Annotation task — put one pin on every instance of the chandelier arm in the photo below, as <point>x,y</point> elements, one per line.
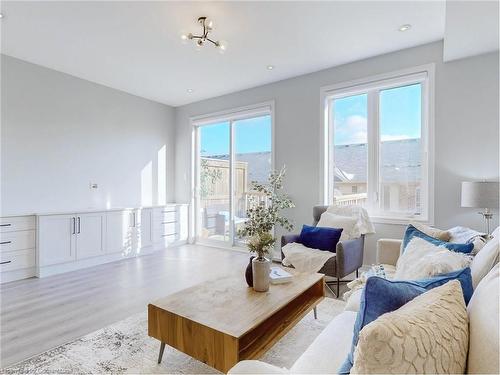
<point>214,42</point>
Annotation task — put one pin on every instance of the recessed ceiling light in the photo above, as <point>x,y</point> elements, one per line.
<point>270,67</point>
<point>405,27</point>
<point>190,91</point>
<point>1,15</point>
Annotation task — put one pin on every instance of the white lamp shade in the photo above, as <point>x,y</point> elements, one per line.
<point>482,194</point>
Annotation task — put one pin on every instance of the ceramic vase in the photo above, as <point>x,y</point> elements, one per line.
<point>260,273</point>
<point>249,272</point>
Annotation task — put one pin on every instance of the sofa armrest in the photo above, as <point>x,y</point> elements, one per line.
<point>256,367</point>
<point>349,256</point>
<point>388,251</point>
<point>288,238</point>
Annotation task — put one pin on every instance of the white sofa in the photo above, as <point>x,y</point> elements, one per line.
<point>329,350</point>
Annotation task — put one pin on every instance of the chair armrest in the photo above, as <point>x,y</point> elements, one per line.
<point>288,238</point>
<point>388,251</point>
<point>256,367</point>
<point>349,255</point>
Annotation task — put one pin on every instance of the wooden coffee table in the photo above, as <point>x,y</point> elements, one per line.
<point>224,321</point>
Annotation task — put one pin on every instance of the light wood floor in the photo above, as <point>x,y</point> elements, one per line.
<point>39,314</point>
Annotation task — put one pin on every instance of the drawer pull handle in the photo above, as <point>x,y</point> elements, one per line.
<point>5,242</point>
<point>5,262</point>
<point>5,225</point>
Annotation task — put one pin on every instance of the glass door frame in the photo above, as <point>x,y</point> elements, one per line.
<point>230,116</point>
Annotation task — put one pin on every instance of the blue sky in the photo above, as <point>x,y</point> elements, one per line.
<point>400,113</point>
<point>400,116</point>
<point>252,135</point>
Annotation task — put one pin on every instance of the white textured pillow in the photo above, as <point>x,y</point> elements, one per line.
<point>484,261</point>
<point>484,326</point>
<point>428,335</point>
<point>347,223</point>
<point>423,259</point>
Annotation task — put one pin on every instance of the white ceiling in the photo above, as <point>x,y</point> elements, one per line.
<point>136,46</point>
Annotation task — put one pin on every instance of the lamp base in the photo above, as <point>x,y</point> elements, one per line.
<point>488,215</point>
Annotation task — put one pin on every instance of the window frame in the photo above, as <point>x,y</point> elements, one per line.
<point>230,116</point>
<point>371,86</point>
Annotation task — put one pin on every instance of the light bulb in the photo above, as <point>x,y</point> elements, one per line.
<point>222,46</point>
<point>209,24</point>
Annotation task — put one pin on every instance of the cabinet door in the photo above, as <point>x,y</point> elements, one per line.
<point>145,227</point>
<point>89,235</point>
<point>56,239</point>
<point>119,231</point>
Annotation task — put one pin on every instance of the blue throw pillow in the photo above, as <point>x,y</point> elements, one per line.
<point>320,238</point>
<point>381,296</point>
<point>411,232</point>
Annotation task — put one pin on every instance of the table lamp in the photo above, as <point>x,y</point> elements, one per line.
<point>481,194</point>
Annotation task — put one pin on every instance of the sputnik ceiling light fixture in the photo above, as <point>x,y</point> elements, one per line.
<point>202,39</point>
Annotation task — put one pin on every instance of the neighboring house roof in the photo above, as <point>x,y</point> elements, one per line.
<point>401,161</point>
<point>259,164</point>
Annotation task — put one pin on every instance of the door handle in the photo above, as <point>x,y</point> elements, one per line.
<point>78,225</point>
<point>5,262</point>
<point>74,225</point>
<point>5,225</point>
<point>5,242</point>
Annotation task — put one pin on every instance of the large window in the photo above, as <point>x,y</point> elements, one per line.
<point>232,150</point>
<point>377,146</point>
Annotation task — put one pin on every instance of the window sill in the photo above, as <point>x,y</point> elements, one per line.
<point>398,220</point>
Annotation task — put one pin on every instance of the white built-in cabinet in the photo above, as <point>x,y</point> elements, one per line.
<point>66,238</point>
<point>66,242</point>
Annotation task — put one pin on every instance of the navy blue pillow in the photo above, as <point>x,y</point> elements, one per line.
<point>320,238</point>
<point>381,296</point>
<point>411,232</point>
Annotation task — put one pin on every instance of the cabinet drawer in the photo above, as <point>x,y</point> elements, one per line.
<point>166,217</point>
<point>10,224</point>
<point>16,260</point>
<point>167,228</point>
<point>21,240</point>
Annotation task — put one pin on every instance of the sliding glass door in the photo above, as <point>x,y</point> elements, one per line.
<point>214,181</point>
<point>231,153</point>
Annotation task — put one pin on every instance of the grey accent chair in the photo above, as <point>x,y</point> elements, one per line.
<point>348,254</point>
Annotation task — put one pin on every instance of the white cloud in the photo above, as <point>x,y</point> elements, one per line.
<point>395,137</point>
<point>353,130</point>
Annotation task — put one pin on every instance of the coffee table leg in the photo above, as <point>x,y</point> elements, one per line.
<point>162,348</point>
<point>315,311</point>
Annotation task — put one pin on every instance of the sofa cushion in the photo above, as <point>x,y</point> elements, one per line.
<point>484,260</point>
<point>439,234</point>
<point>423,259</point>
<point>411,232</point>
<point>329,349</point>
<point>256,367</point>
<point>428,335</point>
<point>484,315</point>
<point>381,296</point>
<point>329,220</point>
<point>320,238</point>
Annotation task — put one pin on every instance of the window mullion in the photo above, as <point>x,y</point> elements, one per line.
<point>373,151</point>
<point>232,234</point>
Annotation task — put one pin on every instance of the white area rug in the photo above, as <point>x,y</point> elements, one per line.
<point>125,347</point>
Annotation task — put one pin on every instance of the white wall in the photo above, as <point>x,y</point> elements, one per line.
<point>60,132</point>
<point>466,130</point>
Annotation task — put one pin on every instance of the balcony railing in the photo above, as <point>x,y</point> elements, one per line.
<point>350,199</point>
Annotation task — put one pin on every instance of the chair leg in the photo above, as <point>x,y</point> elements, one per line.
<point>338,287</point>
<point>357,273</point>
<point>315,311</point>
